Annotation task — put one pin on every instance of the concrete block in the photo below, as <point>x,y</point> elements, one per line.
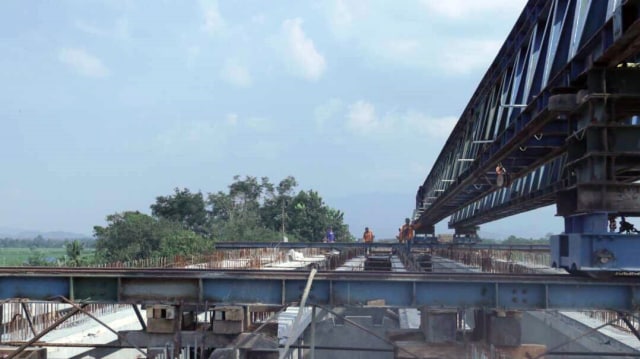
<point>229,313</point>
<point>160,318</point>
<point>161,312</point>
<point>227,326</point>
<point>504,329</point>
<point>155,325</point>
<point>438,325</point>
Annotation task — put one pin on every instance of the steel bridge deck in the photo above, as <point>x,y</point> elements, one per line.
<point>412,289</point>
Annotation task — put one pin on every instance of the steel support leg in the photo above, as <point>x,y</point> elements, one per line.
<point>313,332</point>
<point>27,314</point>
<point>177,329</point>
<point>626,321</point>
<point>303,302</point>
<point>139,315</point>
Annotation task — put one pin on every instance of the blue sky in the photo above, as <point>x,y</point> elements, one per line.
<point>107,104</point>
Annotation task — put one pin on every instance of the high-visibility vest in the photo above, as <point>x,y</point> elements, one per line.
<point>406,232</point>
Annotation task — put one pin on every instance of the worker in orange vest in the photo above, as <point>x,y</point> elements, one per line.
<point>406,233</point>
<point>367,238</point>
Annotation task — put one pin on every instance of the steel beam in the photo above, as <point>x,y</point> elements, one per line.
<point>520,292</point>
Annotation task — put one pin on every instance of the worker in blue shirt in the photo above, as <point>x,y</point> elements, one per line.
<point>330,237</point>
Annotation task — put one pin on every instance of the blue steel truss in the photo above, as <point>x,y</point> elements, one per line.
<point>521,116</point>
<point>211,287</point>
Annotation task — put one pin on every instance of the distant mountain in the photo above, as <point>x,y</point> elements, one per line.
<point>8,232</point>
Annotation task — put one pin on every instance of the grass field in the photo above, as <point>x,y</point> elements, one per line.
<point>18,256</point>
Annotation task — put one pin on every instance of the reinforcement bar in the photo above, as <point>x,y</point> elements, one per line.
<point>187,286</point>
<point>341,245</point>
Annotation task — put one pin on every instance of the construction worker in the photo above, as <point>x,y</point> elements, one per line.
<point>367,238</point>
<point>501,173</point>
<point>329,237</point>
<point>406,233</point>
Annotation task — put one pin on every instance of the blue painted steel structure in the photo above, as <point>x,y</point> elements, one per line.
<point>558,109</point>
<point>468,290</point>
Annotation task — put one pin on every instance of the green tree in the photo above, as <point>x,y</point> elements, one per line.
<point>275,212</point>
<point>252,210</point>
<point>310,218</point>
<point>184,207</point>
<point>74,253</point>
<point>133,235</point>
<point>128,236</point>
<point>235,216</point>
<point>37,258</point>
<point>175,240</point>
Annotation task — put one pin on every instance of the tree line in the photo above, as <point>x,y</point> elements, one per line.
<point>41,242</point>
<point>186,222</point>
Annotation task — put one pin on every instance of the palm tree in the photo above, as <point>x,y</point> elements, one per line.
<point>74,251</point>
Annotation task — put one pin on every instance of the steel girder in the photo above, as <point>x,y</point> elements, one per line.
<point>184,287</point>
<point>512,118</point>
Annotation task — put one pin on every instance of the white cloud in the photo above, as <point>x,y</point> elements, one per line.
<point>461,9</point>
<point>344,15</point>
<point>362,119</point>
<point>213,21</point>
<point>434,127</point>
<point>305,60</point>
<point>236,74</point>
<point>455,58</point>
<point>83,62</point>
<point>425,35</point>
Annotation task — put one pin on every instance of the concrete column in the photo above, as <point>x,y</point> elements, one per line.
<point>504,328</point>
<point>438,325</point>
<point>479,325</point>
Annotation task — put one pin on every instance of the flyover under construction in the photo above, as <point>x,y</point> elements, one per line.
<point>555,120</point>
